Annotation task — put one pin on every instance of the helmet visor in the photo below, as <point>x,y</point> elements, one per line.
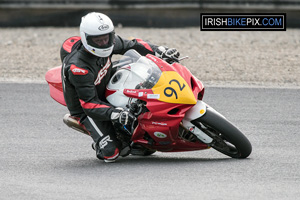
<point>100,41</point>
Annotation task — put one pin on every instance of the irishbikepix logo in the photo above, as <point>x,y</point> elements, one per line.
<point>242,22</point>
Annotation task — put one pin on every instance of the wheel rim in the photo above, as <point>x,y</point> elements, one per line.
<point>220,143</point>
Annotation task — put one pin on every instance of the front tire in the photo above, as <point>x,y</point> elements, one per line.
<point>227,138</point>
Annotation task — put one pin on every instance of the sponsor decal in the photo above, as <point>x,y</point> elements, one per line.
<point>102,72</point>
<point>160,123</point>
<point>160,135</point>
<point>243,22</point>
<point>153,96</point>
<point>78,71</point>
<point>140,94</point>
<point>131,91</point>
<point>103,27</point>
<point>104,142</point>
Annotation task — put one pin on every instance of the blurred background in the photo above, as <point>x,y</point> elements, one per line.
<point>136,13</point>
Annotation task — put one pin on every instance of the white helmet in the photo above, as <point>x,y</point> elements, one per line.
<point>97,34</point>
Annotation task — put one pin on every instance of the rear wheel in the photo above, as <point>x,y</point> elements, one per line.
<point>227,138</point>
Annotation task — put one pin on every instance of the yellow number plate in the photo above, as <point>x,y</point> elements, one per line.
<point>172,88</point>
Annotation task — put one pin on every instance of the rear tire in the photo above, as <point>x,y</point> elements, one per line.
<point>227,138</point>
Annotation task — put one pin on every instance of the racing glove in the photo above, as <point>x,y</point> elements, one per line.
<point>167,54</point>
<point>120,116</point>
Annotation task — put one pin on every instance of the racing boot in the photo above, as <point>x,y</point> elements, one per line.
<point>106,150</point>
<point>124,152</point>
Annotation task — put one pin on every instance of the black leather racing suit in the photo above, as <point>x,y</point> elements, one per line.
<point>85,77</point>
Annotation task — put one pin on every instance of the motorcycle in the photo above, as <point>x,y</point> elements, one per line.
<point>167,102</point>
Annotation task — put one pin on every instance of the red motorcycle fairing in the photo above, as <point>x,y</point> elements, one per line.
<point>158,128</point>
<point>161,124</point>
<point>53,77</point>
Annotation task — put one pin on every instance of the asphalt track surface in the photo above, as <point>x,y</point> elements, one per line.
<point>41,158</point>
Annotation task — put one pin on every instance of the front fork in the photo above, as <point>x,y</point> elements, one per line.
<point>197,111</point>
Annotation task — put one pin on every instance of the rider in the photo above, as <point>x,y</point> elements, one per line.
<point>86,70</point>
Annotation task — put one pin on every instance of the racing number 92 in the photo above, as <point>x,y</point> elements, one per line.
<point>169,91</point>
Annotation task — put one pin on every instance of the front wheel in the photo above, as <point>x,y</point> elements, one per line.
<point>227,138</point>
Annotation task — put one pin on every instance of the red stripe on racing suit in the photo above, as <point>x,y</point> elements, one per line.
<point>145,44</point>
<point>87,105</point>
